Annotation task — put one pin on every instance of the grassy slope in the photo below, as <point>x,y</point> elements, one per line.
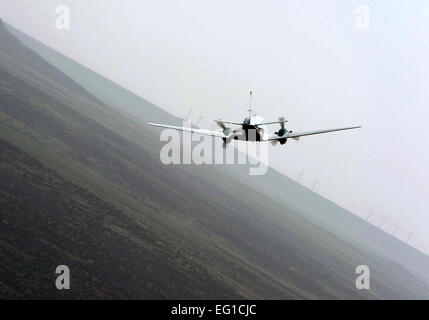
<point>175,234</point>
<point>279,188</point>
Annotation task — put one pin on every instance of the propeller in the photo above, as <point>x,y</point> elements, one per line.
<point>226,131</point>
<point>221,124</point>
<point>282,124</point>
<point>225,142</point>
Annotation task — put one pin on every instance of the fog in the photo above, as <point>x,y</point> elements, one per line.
<point>313,62</point>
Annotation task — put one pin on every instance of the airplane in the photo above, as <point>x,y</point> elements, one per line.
<point>255,123</point>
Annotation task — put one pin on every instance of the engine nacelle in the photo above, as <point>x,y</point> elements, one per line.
<point>227,131</point>
<point>281,132</point>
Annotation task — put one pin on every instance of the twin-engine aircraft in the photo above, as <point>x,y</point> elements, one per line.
<point>253,128</point>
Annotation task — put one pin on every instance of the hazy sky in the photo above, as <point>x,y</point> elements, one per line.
<point>305,60</point>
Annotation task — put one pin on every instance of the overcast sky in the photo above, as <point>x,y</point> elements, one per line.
<point>317,63</point>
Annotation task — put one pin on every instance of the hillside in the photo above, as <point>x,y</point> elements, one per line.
<point>82,185</point>
<point>276,186</point>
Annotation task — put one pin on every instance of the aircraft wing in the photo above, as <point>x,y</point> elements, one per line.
<point>296,135</point>
<point>192,130</point>
<point>229,122</point>
<point>272,122</point>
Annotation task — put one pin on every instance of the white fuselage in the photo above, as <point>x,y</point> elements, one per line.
<point>252,130</point>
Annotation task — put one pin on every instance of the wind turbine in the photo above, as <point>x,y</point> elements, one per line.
<point>314,184</point>
<point>382,222</point>
<point>199,119</point>
<point>300,175</point>
<point>189,114</point>
<point>408,239</point>
<point>369,216</point>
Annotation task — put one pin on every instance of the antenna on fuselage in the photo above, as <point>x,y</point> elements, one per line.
<point>250,104</point>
